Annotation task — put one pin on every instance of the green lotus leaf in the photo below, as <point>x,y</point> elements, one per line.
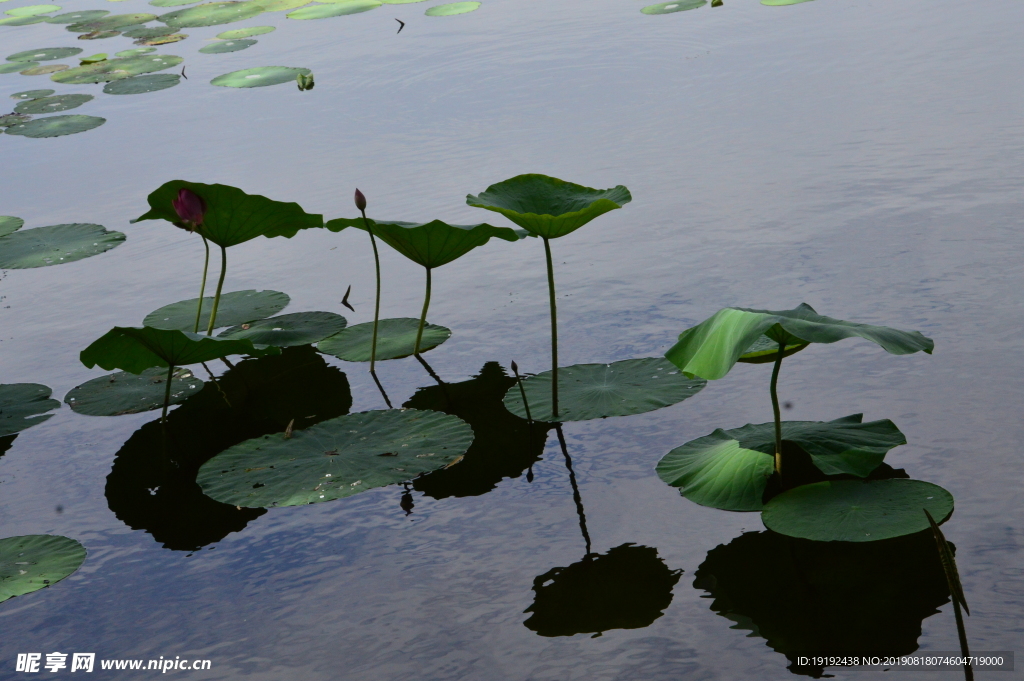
<point>43,69</point>
<point>23,21</point>
<point>711,348</point>
<point>32,94</point>
<point>452,8</point>
<point>15,66</point>
<point>260,76</point>
<point>212,14</point>
<point>45,54</point>
<point>232,216</point>
<point>224,46</point>
<point>55,245</point>
<point>594,391</point>
<point>147,32</point>
<point>547,206</point>
<point>53,104</point>
<point>114,22</point>
<point>99,35</point>
<point>172,3</point>
<point>135,51</point>
<point>334,9</point>
<point>32,10</point>
<point>281,5</point>
<point>7,120</point>
<point>9,224</point>
<point>856,510</point>
<point>671,7</point>
<point>336,458</point>
<point>35,561</point>
<point>76,17</point>
<point>396,338</point>
<point>136,349</point>
<point>127,393</point>
<point>138,85</point>
<point>299,328</point>
<point>729,469</point>
<point>400,2</point>
<point>237,307</point>
<point>765,351</point>
<point>780,3</point>
<point>115,69</point>
<point>163,40</point>
<point>23,405</point>
<point>239,33</point>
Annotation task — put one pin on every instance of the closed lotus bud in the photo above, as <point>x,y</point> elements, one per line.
<point>190,207</point>
<point>360,200</point>
<point>515,368</point>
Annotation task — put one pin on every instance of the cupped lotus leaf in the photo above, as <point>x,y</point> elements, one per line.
<point>857,510</point>
<point>452,8</point>
<point>396,338</point>
<point>7,120</point>
<point>281,5</point>
<point>114,22</point>
<point>45,54</point>
<point>232,216</point>
<point>15,66</point>
<point>23,405</point>
<point>237,307</point>
<point>56,244</point>
<point>32,10</point>
<point>135,51</point>
<point>430,244</point>
<point>334,9</point>
<point>765,350</point>
<point>593,391</point>
<point>56,126</point>
<point>675,6</point>
<point>9,224</point>
<point>239,33</point>
<point>138,85</point>
<point>45,105</point>
<point>127,393</point>
<point>23,21</point>
<point>163,40</point>
<point>212,14</point>
<point>547,206</point>
<point>44,69</point>
<point>172,3</point>
<point>224,46</point>
<point>115,69</point>
<point>780,3</point>
<point>135,349</point>
<point>35,561</point>
<point>711,348</point>
<point>147,32</point>
<point>76,17</point>
<point>32,94</point>
<point>335,458</point>
<point>729,469</point>
<point>260,76</point>
<point>299,328</point>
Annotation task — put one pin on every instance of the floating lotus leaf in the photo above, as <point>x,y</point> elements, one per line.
<point>259,76</point>
<point>211,14</point>
<point>670,7</point>
<point>334,9</point>
<point>400,2</point>
<point>134,52</point>
<point>237,307</point>
<point>9,224</point>
<point>56,244</point>
<point>335,458</point>
<point>43,70</point>
<point>126,393</point>
<point>99,35</point>
<point>396,338</point>
<point>281,5</point>
<point>77,17</point>
<point>239,33</point>
<point>452,9</point>
<point>141,84</point>
<point>45,54</point>
<point>114,22</point>
<point>163,40</point>
<point>147,32</point>
<point>299,328</point>
<point>547,206</point>
<point>53,104</point>
<point>136,349</point>
<point>593,391</point>
<point>172,3</point>
<point>115,69</point>
<point>15,66</point>
<point>232,216</point>
<point>23,21</point>
<point>780,3</point>
<point>710,349</point>
<point>8,120</point>
<point>32,94</point>
<point>856,510</point>
<point>56,126</point>
<point>35,561</point>
<point>226,46</point>
<point>23,405</point>
<point>32,10</point>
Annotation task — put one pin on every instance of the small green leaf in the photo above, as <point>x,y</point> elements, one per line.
<point>127,393</point>
<point>224,46</point>
<point>334,9</point>
<point>35,561</point>
<point>136,349</point>
<point>452,8</point>
<point>55,245</point>
<point>9,224</point>
<point>32,94</point>
<point>237,307</point>
<point>396,338</point>
<point>299,328</point>
<point>671,7</point>
<point>260,76</point>
<point>22,406</point>
<point>239,33</point>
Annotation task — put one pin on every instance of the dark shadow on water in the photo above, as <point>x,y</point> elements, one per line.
<point>152,485</point>
<point>6,442</point>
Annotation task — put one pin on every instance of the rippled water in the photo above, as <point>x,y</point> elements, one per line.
<point>862,157</point>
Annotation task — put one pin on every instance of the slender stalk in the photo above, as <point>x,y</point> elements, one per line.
<point>575,488</point>
<point>202,287</point>
<point>376,309</point>
<point>423,316</point>
<point>554,331</point>
<point>775,408</point>
<point>167,392</point>
<point>220,285</point>
<point>381,388</point>
<point>965,652</point>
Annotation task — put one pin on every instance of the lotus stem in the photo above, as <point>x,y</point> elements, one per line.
<point>962,633</point>
<point>522,391</point>
<point>575,488</point>
<point>381,388</point>
<point>202,287</point>
<point>167,393</point>
<point>423,317</point>
<point>220,285</point>
<point>554,331</point>
<point>775,408</point>
<point>376,309</point>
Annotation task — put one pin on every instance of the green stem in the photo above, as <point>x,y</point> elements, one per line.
<point>376,309</point>
<point>775,408</point>
<point>220,285</point>
<point>202,287</point>
<point>554,331</point>
<point>167,392</point>
<point>965,652</point>
<point>423,316</point>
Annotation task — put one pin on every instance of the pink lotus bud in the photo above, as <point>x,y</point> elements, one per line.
<point>190,207</point>
<point>360,201</point>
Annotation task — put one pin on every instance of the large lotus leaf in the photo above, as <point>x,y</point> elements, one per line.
<point>45,105</point>
<point>171,3</point>
<point>138,85</point>
<point>336,458</point>
<point>23,405</point>
<point>232,216</point>
<point>856,510</point>
<point>781,3</point>
<point>146,32</point>
<point>114,22</point>
<point>135,51</point>
<point>711,348</point>
<point>672,7</point>
<point>334,9</point>
<point>765,350</point>
<point>299,328</point>
<point>55,245</point>
<point>225,46</point>
<point>260,76</point>
<point>396,338</point>
<point>10,224</point>
<point>75,17</point>
<point>452,8</point>
<point>729,469</point>
<point>239,33</point>
<point>430,244</point>
<point>127,393</point>
<point>45,54</point>
<point>136,349</point>
<point>43,69</point>
<point>57,126</point>
<point>32,94</point>
<point>237,307</point>
<point>115,69</point>
<point>7,120</point>
<point>32,10</point>
<point>594,391</point>
<point>22,21</point>
<point>15,66</point>
<point>211,14</point>
<point>281,5</point>
<point>547,206</point>
<point>162,40</point>
<point>35,561</point>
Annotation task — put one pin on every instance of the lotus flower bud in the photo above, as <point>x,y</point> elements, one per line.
<point>360,200</point>
<point>190,207</point>
<point>515,368</point>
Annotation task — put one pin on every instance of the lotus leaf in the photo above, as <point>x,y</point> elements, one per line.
<point>23,21</point>
<point>136,349</point>
<point>334,9</point>
<point>32,10</point>
<point>239,33</point>
<point>299,328</point>
<point>857,510</point>
<point>115,69</point>
<point>44,70</point>
<point>138,85</point>
<point>32,94</point>
<point>75,17</point>
<point>23,405</point>
<point>452,8</point>
<point>55,245</point>
<point>99,35</point>
<point>114,22</point>
<point>9,224</point>
<point>237,307</point>
<point>400,2</point>
<point>172,3</point>
<point>7,120</point>
<point>135,51</point>
<point>211,14</point>
<point>163,40</point>
<point>281,5</point>
<point>53,104</point>
<point>396,338</point>
<point>15,66</point>
<point>127,393</point>
<point>35,561</point>
<point>147,32</point>
<point>670,7</point>
<point>765,350</point>
<point>45,54</point>
<point>780,3</point>
<point>224,46</point>
<point>260,76</point>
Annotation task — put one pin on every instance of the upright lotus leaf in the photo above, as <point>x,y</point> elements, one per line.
<point>211,14</point>
<point>9,224</point>
<point>23,405</point>
<point>135,349</point>
<point>32,562</point>
<point>56,244</point>
<point>730,469</point>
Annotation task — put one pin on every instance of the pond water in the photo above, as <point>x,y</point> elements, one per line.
<point>865,158</point>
